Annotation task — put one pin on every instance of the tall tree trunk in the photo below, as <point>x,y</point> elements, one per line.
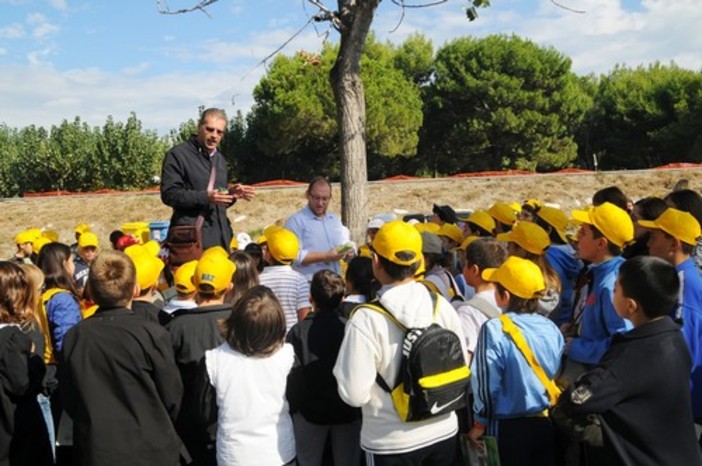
<point>356,18</point>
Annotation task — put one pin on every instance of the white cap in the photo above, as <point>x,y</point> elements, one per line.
<point>375,223</point>
<point>243,239</point>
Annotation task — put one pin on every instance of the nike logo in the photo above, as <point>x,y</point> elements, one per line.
<point>438,408</point>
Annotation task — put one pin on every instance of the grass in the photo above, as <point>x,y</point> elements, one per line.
<point>106,212</point>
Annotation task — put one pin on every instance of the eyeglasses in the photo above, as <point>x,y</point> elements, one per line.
<point>324,199</point>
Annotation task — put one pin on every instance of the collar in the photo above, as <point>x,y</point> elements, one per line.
<point>112,311</point>
<point>607,265</point>
<point>648,329</point>
<point>687,264</point>
<point>203,309</point>
<point>202,150</point>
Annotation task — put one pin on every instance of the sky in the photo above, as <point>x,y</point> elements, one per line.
<point>94,58</point>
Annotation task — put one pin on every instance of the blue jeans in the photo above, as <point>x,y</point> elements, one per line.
<point>45,405</point>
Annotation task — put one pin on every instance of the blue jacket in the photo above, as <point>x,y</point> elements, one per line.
<point>599,321</point>
<point>691,312</point>
<point>62,312</point>
<point>562,258</point>
<point>504,384</point>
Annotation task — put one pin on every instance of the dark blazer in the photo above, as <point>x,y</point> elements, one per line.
<point>641,390</point>
<point>122,389</point>
<point>184,178</point>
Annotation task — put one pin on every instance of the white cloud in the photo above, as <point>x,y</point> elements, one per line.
<point>38,57</point>
<point>41,26</point>
<point>136,69</point>
<point>13,31</point>
<point>60,5</point>
<point>3,51</point>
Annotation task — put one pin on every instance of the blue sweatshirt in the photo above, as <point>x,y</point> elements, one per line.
<point>562,258</point>
<point>599,320</point>
<point>690,311</point>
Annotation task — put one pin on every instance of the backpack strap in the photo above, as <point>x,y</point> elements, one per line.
<point>377,307</point>
<point>509,327</point>
<point>484,306</point>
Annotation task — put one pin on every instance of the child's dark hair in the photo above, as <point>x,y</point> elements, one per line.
<point>398,272</point>
<point>111,279</point>
<point>326,290</point>
<point>517,304</point>
<point>650,208</point>
<point>652,282</point>
<point>359,274</point>
<point>686,200</point>
<point>612,248</point>
<point>51,261</point>
<point>613,195</point>
<point>256,326</point>
<point>245,277</point>
<point>15,296</point>
<point>486,253</point>
<point>552,232</point>
<point>477,230</point>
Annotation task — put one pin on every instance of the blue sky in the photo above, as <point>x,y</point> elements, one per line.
<point>93,58</point>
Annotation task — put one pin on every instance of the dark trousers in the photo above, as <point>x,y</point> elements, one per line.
<point>439,454</point>
<point>526,441</point>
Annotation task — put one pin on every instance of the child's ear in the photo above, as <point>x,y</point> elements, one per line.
<point>137,291</point>
<point>631,307</point>
<point>230,287</point>
<point>502,298</point>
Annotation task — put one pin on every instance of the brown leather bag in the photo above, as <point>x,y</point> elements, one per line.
<point>184,243</point>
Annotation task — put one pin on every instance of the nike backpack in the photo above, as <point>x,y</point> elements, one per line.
<point>433,377</point>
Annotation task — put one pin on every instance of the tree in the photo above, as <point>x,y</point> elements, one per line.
<point>293,116</point>
<point>647,116</point>
<point>501,102</point>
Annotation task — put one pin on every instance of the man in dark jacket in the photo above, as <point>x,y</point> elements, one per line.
<point>186,185</point>
<point>120,382</point>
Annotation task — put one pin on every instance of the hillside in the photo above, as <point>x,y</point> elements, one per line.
<point>106,212</point>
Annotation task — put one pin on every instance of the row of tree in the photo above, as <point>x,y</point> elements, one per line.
<point>474,104</point>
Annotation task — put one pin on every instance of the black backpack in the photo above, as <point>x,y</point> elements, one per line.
<point>433,377</point>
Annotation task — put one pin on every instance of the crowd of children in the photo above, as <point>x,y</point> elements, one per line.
<point>579,341</point>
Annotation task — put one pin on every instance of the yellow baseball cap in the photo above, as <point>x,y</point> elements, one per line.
<point>612,221</point>
<point>88,239</point>
<point>503,213</point>
<point>398,242</point>
<point>183,277</point>
<point>483,220</point>
<point>52,235</point>
<point>234,244</point>
<point>283,245</point>
<point>82,228</point>
<point>521,277</point>
<point>25,236</point>
<point>148,267</point>
<point>451,231</point>
<point>152,247</point>
<point>39,243</point>
<point>214,270</point>
<point>533,204</point>
<point>678,224</point>
<point>556,218</point>
<point>529,236</point>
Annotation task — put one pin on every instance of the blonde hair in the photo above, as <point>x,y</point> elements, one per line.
<point>35,279</point>
<point>15,304</point>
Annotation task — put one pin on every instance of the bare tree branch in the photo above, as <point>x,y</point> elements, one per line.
<point>404,5</point>
<point>572,10</point>
<point>326,14</point>
<point>402,17</point>
<point>201,6</point>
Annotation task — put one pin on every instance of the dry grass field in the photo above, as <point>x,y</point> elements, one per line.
<point>107,212</point>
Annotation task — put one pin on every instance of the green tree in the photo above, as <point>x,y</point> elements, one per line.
<point>501,102</point>
<point>647,116</point>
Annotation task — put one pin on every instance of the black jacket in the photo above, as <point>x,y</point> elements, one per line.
<point>184,178</point>
<point>122,388</point>
<point>23,435</point>
<point>312,388</point>
<point>641,389</point>
<point>194,331</point>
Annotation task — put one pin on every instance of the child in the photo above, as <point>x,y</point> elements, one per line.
<point>510,399</point>
<point>359,284</point>
<point>25,254</point>
<point>194,331</point>
<point>674,236</point>
<point>253,422</point>
<point>480,223</point>
<point>23,435</point>
<point>121,385</point>
<point>504,215</point>
<point>561,256</point>
<point>148,270</point>
<point>481,254</point>
<point>529,241</point>
<point>312,391</point>
<point>289,286</point>
<point>437,277</point>
<point>640,387</point>
<point>245,277</point>
<point>85,253</point>
<point>605,229</point>
<point>185,290</point>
